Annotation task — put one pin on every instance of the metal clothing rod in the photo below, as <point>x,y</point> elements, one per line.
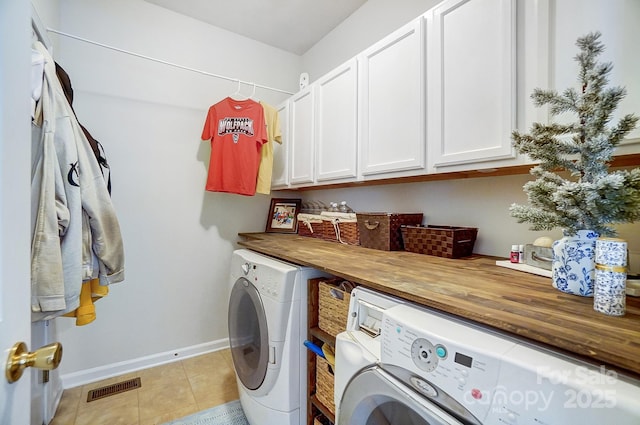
<point>106,46</point>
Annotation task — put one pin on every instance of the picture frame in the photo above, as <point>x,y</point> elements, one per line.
<point>283,215</point>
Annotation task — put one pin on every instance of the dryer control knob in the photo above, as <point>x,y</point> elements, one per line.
<point>245,268</point>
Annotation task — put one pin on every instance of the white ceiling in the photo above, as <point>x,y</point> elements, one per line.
<point>291,25</point>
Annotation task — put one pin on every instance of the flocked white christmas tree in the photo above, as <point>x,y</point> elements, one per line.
<point>574,189</point>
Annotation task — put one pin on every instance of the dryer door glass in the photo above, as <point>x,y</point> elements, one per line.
<point>373,398</point>
<point>248,334</point>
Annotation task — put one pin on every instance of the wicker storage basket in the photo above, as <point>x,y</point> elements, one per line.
<point>382,230</point>
<point>333,307</point>
<point>442,241</point>
<point>321,420</point>
<point>311,225</point>
<point>340,227</point>
<point>325,384</point>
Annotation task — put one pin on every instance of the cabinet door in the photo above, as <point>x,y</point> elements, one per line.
<point>302,137</point>
<point>391,87</point>
<point>336,122</point>
<point>280,176</point>
<point>471,82</point>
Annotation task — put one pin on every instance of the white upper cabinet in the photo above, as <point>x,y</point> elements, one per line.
<point>471,87</point>
<point>336,124</point>
<point>392,105</point>
<point>444,92</point>
<point>302,141</point>
<point>280,176</point>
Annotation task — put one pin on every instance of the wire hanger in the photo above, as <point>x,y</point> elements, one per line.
<point>237,95</point>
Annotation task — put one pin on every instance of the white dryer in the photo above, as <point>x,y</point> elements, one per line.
<point>359,346</point>
<point>439,370</point>
<point>267,327</point>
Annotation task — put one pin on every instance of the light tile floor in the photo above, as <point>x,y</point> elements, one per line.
<point>167,392</point>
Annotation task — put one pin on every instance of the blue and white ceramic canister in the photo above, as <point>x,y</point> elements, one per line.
<point>573,265</point>
<point>611,251</point>
<point>611,277</point>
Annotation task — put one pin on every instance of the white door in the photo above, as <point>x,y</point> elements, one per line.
<point>336,124</point>
<point>471,90</point>
<point>302,142</point>
<point>15,166</point>
<point>280,176</point>
<point>392,105</point>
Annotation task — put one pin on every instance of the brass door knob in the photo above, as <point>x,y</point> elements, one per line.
<point>46,358</point>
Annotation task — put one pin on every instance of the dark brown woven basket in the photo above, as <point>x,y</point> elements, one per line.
<point>441,241</point>
<point>382,230</point>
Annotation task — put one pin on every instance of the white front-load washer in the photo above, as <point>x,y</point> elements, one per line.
<point>435,369</point>
<point>267,327</point>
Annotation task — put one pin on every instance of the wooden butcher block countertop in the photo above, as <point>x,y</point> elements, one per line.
<point>475,288</point>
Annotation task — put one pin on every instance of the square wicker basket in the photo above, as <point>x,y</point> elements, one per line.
<point>344,232</point>
<point>382,230</point>
<point>333,307</point>
<point>340,227</point>
<point>325,384</point>
<point>311,225</point>
<point>441,241</point>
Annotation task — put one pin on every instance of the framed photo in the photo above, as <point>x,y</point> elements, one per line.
<point>283,215</point>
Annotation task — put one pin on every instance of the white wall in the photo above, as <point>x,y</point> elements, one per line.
<point>49,13</point>
<point>370,23</point>
<point>484,202</point>
<point>178,238</point>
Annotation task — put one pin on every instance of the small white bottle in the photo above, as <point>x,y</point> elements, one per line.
<point>521,254</point>
<point>344,207</point>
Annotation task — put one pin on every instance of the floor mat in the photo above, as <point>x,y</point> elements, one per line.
<point>226,414</point>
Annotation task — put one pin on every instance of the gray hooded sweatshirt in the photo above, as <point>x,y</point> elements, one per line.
<point>76,234</point>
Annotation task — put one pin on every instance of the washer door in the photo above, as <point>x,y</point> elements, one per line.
<point>374,397</point>
<point>248,334</point>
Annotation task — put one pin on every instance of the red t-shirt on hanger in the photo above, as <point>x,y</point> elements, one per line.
<point>237,132</point>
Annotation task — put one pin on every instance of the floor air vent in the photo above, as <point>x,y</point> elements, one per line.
<point>113,389</point>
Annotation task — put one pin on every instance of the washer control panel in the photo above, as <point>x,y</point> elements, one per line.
<point>444,355</point>
<point>273,279</point>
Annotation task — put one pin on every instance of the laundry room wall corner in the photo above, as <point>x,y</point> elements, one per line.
<point>178,239</point>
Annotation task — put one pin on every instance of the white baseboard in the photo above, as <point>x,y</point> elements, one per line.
<point>86,376</point>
